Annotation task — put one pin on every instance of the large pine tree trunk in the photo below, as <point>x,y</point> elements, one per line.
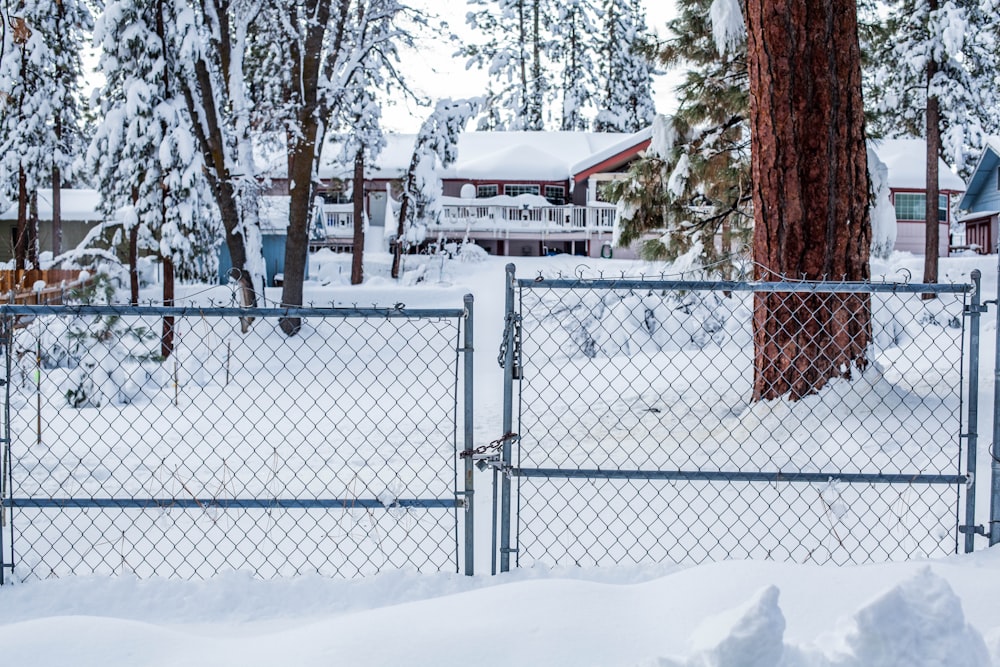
<point>810,192</point>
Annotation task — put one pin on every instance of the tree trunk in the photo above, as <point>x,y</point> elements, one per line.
<point>409,184</point>
<point>932,224</point>
<point>21,235</point>
<point>167,336</point>
<point>56,211</point>
<point>133,264</point>
<point>133,254</point>
<point>32,231</point>
<point>358,197</point>
<point>810,192</point>
<point>306,67</point>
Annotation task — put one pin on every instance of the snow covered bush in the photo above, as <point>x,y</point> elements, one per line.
<point>116,361</point>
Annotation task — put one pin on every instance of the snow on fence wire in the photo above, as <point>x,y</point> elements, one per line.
<point>332,451</point>
<point>638,439</point>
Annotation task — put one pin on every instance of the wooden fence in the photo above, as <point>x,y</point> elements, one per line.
<point>18,287</point>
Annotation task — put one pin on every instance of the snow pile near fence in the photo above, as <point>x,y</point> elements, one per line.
<point>734,614</point>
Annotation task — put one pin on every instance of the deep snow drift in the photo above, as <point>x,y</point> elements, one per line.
<point>750,613</point>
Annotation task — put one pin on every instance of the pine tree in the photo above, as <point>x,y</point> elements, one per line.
<point>39,80</point>
<point>626,103</point>
<point>143,154</point>
<point>693,184</point>
<point>809,172</point>
<point>575,31</point>
<point>519,41</point>
<point>957,38</point>
<point>931,78</point>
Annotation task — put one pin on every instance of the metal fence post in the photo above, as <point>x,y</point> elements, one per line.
<point>994,529</point>
<point>508,420</point>
<point>972,435</point>
<point>6,479</point>
<point>470,507</point>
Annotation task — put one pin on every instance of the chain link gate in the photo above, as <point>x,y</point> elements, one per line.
<point>632,436</point>
<point>334,451</point>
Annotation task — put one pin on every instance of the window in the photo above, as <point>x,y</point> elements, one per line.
<point>911,205</point>
<point>556,194</point>
<point>483,191</point>
<point>998,179</point>
<point>515,190</point>
<point>336,197</point>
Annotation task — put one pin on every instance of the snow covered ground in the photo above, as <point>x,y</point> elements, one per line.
<point>753,613</point>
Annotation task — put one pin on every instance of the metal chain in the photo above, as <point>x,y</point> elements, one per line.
<point>494,446</point>
<point>508,323</point>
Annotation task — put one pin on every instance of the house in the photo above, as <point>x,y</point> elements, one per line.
<point>981,201</point>
<point>80,211</point>
<point>906,160</point>
<point>532,193</point>
<point>512,193</point>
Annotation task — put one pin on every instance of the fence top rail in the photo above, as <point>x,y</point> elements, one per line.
<point>742,286</point>
<point>394,312</point>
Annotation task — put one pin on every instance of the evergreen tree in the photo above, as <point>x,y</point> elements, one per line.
<point>957,40</point>
<point>931,78</point>
<point>518,43</point>
<point>575,30</point>
<point>693,184</point>
<point>39,127</point>
<point>626,102</point>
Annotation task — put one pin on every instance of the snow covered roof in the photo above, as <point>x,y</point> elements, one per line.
<point>981,174</point>
<point>976,215</point>
<point>77,205</point>
<point>907,163</point>
<point>534,156</point>
<point>620,146</point>
<point>514,162</point>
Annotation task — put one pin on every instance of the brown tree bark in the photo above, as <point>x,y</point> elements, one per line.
<point>56,209</point>
<point>932,226</point>
<point>167,334</point>
<point>810,192</point>
<point>21,234</point>
<point>358,198</point>
<point>307,58</point>
<point>31,231</point>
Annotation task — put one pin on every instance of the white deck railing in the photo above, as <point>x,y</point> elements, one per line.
<point>597,217</point>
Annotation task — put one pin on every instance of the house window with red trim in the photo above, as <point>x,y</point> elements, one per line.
<point>518,189</point>
<point>484,191</point>
<point>556,194</point>
<point>910,206</point>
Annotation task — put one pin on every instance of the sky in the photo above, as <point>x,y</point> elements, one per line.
<point>435,71</point>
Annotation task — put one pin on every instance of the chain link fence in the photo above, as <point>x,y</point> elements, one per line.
<point>640,438</point>
<point>165,441</point>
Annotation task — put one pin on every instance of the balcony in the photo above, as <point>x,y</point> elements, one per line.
<point>463,215</point>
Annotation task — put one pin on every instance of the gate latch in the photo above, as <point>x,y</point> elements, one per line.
<point>972,530</point>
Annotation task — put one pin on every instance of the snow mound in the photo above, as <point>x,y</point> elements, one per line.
<point>917,624</point>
